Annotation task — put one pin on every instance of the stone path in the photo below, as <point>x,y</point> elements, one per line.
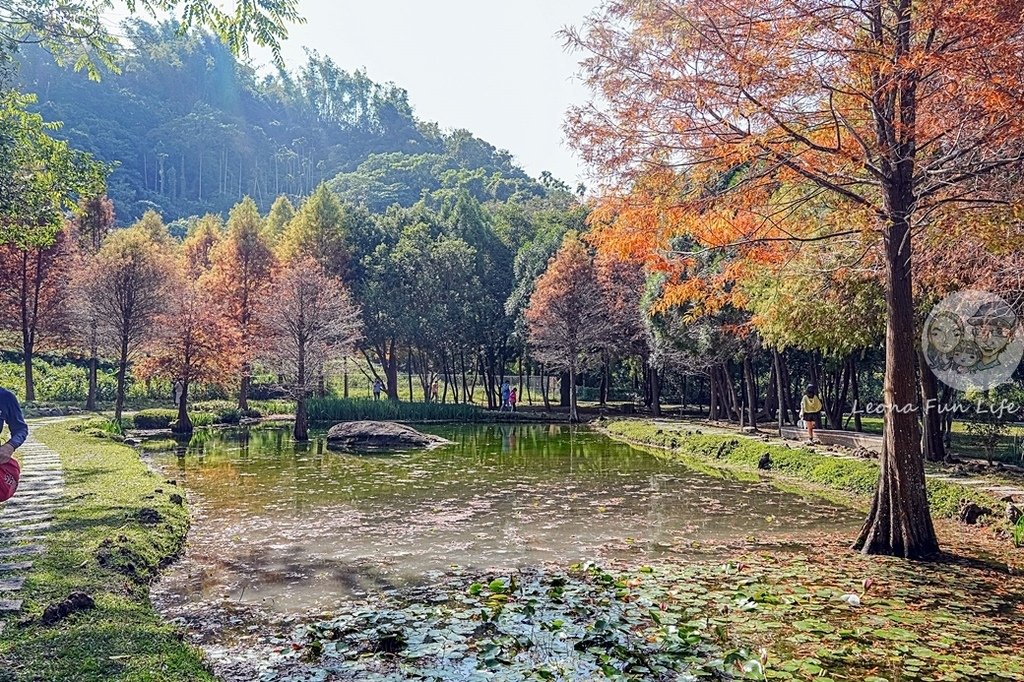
<point>25,518</point>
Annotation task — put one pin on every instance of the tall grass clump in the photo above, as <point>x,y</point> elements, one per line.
<point>354,409</point>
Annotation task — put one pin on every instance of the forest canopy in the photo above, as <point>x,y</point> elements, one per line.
<point>193,130</point>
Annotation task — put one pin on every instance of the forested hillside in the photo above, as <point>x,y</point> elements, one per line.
<point>193,130</point>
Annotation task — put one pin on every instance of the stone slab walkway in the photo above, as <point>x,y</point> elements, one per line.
<point>25,518</point>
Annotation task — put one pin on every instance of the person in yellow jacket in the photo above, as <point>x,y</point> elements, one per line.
<point>810,410</point>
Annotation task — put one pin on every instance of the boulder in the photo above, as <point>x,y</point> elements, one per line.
<point>372,435</point>
<point>971,512</point>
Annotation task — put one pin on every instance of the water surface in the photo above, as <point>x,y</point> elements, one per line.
<point>295,527</point>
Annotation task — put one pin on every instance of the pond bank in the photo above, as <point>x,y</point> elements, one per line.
<point>116,526</point>
<point>820,468</point>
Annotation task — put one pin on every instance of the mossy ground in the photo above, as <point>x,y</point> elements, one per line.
<point>102,542</point>
<point>856,477</point>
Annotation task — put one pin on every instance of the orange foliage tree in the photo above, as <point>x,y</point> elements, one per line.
<point>728,116</point>
<point>240,270</point>
<point>192,342</point>
<point>94,222</point>
<point>567,320</point>
<point>34,290</point>
<point>124,287</point>
<point>309,320</point>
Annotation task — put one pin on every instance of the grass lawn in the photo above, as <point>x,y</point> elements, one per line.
<point>100,545</point>
<point>723,449</point>
<point>967,445</point>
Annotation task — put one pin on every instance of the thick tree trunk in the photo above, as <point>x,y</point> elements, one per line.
<point>655,380</point>
<point>243,387</point>
<point>899,523</point>
<point>574,415</point>
<point>184,423</point>
<point>122,377</point>
<point>931,427</point>
<point>566,386</point>
<point>30,381</point>
<point>301,430</point>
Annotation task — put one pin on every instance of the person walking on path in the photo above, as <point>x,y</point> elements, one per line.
<point>513,398</point>
<point>810,410</point>
<point>10,471</point>
<point>378,386</point>
<point>506,391</point>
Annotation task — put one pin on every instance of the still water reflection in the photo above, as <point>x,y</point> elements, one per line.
<point>294,527</point>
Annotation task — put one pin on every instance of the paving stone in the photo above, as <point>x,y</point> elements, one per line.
<point>26,515</point>
<point>11,584</point>
<point>18,538</point>
<point>10,605</point>
<point>23,528</point>
<point>23,550</point>
<point>16,566</point>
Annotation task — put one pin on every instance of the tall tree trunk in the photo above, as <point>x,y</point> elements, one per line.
<point>30,381</point>
<point>655,392</point>
<point>301,430</point>
<point>90,399</point>
<point>184,423</point>
<point>899,523</point>
<point>408,372</point>
<point>243,387</point>
<point>748,379</point>
<point>932,446</point>
<point>777,362</point>
<point>574,415</point>
<point>391,372</point>
<point>544,387</point>
<point>122,376</point>
<point>855,387</point>
<point>605,380</point>
<point>712,395</point>
<point>565,388</point>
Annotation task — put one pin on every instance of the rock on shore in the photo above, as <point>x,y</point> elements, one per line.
<point>375,435</point>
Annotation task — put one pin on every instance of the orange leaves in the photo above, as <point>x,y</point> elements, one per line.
<point>193,339</point>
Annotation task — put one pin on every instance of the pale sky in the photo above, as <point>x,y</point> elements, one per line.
<point>497,69</point>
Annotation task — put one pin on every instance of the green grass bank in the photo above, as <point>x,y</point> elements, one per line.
<point>739,453</point>
<point>119,523</point>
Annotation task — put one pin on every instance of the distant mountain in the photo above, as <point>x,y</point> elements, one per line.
<point>193,130</point>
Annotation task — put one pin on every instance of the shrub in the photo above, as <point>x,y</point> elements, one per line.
<point>222,411</point>
<point>154,418</point>
<point>106,427</point>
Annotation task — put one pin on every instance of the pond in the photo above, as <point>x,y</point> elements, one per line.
<point>294,528</point>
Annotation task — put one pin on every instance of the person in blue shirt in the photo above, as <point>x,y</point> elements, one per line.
<point>10,413</point>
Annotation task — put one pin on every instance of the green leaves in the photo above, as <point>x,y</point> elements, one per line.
<point>41,178</point>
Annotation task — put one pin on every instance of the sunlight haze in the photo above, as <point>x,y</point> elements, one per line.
<point>496,69</point>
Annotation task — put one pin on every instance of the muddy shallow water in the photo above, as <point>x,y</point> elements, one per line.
<point>295,528</point>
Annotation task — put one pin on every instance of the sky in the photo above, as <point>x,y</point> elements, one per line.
<point>497,69</point>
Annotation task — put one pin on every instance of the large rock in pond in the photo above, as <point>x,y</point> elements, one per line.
<point>371,435</point>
